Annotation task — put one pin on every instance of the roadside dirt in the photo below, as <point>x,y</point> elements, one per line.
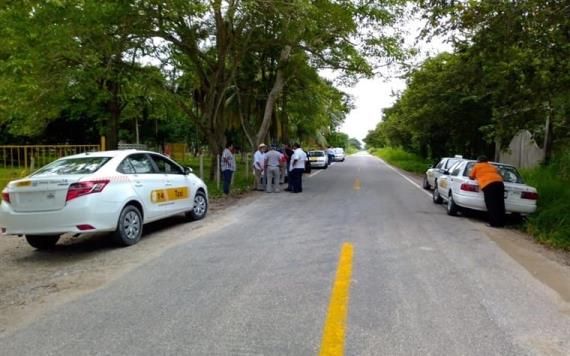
<point>33,282</point>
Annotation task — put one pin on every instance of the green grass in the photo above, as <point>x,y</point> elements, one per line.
<point>10,174</point>
<point>241,183</point>
<point>402,159</point>
<point>551,222</point>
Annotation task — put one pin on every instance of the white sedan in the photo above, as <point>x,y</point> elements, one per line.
<point>455,187</point>
<point>434,172</point>
<point>111,191</point>
<point>318,159</point>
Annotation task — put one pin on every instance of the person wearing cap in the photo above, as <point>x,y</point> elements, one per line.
<point>258,166</point>
<point>272,161</point>
<point>491,183</point>
<point>297,168</point>
<point>228,166</point>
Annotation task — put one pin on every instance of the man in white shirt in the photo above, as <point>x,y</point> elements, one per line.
<point>298,161</point>
<point>258,166</point>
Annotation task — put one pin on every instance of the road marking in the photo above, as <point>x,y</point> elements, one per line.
<point>333,335</point>
<point>406,178</point>
<point>357,184</point>
<point>314,174</point>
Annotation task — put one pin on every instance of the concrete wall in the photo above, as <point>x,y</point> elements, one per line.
<point>523,152</point>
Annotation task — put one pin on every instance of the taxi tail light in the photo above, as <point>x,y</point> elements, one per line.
<point>469,187</point>
<point>529,195</point>
<point>85,227</point>
<point>6,197</point>
<point>83,188</point>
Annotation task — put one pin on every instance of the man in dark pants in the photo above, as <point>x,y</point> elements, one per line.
<point>228,166</point>
<point>288,152</point>
<point>297,168</point>
<point>491,183</point>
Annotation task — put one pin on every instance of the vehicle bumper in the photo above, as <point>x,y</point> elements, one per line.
<point>478,203</point>
<point>318,164</point>
<point>102,216</point>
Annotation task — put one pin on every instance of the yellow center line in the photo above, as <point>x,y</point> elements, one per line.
<point>357,184</point>
<point>335,324</point>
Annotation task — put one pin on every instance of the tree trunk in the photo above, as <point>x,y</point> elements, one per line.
<point>273,95</point>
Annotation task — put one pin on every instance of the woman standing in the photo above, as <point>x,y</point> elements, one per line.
<point>491,183</point>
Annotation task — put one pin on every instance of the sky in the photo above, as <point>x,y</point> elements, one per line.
<point>370,96</point>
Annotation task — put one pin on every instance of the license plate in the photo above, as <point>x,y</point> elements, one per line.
<point>313,159</point>
<point>170,194</point>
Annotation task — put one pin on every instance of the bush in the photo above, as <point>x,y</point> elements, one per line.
<point>551,222</point>
<point>398,157</point>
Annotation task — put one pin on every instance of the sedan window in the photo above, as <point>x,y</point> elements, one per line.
<point>440,164</point>
<point>141,163</point>
<point>166,166</point>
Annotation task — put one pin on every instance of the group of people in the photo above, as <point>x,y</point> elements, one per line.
<point>270,167</point>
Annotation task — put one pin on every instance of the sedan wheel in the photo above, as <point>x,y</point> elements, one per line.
<point>425,183</point>
<point>435,196</point>
<point>129,228</point>
<point>452,208</point>
<point>200,207</point>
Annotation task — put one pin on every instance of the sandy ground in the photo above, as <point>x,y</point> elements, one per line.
<point>33,282</point>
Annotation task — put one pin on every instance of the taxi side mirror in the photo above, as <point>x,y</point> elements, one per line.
<point>187,170</point>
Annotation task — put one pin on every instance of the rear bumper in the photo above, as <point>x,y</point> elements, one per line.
<point>317,164</point>
<point>103,217</point>
<point>478,203</point>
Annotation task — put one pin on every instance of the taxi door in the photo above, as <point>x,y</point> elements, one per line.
<point>147,182</point>
<point>177,193</point>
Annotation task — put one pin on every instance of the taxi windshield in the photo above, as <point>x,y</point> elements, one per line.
<point>70,166</point>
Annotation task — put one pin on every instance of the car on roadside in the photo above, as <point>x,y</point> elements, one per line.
<point>460,192</point>
<point>318,159</point>
<point>109,191</point>
<point>435,171</point>
<point>339,155</point>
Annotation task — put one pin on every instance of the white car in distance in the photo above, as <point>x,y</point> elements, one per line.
<point>433,173</point>
<point>318,159</point>
<point>459,191</point>
<point>109,191</point>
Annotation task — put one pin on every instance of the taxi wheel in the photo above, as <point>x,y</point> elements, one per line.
<point>129,228</point>
<point>452,208</point>
<point>200,207</point>
<point>425,183</point>
<point>435,196</point>
<point>42,242</point>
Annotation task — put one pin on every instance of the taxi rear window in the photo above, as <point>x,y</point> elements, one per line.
<point>509,173</point>
<point>70,166</point>
<point>316,154</point>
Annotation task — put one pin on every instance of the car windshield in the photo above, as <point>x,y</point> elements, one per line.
<point>316,154</point>
<point>69,166</point>
<point>509,173</point>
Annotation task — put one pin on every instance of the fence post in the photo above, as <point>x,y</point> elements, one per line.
<point>218,171</point>
<point>25,157</point>
<point>103,143</point>
<point>245,156</point>
<point>201,166</point>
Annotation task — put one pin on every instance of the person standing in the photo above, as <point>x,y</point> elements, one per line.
<point>491,183</point>
<point>330,154</point>
<point>228,166</point>
<point>258,166</point>
<point>272,158</point>
<point>298,160</point>
<point>288,153</point>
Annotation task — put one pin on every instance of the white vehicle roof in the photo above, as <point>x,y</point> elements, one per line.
<point>112,154</point>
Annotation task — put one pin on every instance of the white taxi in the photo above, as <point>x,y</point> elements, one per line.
<point>318,159</point>
<point>459,191</point>
<point>435,171</point>
<point>110,191</point>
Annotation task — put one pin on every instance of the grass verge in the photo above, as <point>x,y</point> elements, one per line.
<point>550,224</point>
<point>398,157</point>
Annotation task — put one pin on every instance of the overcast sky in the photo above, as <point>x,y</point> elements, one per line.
<point>370,96</point>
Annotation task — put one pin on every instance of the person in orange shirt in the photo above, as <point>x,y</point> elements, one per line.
<point>491,183</point>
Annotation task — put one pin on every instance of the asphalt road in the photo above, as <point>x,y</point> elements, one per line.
<point>422,283</point>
